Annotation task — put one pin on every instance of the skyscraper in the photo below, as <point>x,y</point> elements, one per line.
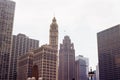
<point>53,40</point>
<point>45,59</point>
<point>81,68</point>
<point>7,9</point>
<point>109,53</point>
<point>21,44</point>
<point>66,60</point>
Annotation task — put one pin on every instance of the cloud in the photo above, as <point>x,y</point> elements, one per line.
<point>80,19</point>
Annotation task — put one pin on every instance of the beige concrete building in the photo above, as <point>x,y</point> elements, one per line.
<point>25,64</point>
<point>53,38</point>
<point>7,8</point>
<point>45,59</point>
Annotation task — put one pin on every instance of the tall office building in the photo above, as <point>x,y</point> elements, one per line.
<point>81,68</point>
<point>21,44</point>
<point>109,53</point>
<point>45,59</point>
<point>7,9</point>
<point>66,60</point>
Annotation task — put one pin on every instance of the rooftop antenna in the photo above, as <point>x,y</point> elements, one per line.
<point>54,14</point>
<point>65,33</point>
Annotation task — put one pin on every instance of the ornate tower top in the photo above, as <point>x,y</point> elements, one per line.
<point>53,39</point>
<point>54,25</point>
<point>54,20</point>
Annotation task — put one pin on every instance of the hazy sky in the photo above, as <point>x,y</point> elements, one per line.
<point>80,19</point>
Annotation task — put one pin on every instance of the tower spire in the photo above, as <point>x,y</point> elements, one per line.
<point>53,40</point>
<point>54,19</point>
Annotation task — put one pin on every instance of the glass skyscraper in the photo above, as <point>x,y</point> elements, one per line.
<point>109,53</point>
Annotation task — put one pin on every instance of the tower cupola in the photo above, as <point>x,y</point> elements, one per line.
<point>53,38</point>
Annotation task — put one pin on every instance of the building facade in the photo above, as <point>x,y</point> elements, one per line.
<point>53,37</point>
<point>21,44</point>
<point>7,9</point>
<point>45,59</point>
<point>66,60</point>
<point>109,53</point>
<point>53,40</point>
<point>97,72</point>
<point>94,77</point>
<point>81,68</point>
<point>25,65</point>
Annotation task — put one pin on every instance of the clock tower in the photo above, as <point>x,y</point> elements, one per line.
<point>53,38</point>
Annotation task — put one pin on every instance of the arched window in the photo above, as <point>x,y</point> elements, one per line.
<point>35,72</point>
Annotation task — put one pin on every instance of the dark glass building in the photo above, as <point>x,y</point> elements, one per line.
<point>109,53</point>
<point>7,9</point>
<point>66,60</point>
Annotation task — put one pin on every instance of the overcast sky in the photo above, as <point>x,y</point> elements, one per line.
<point>79,19</point>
